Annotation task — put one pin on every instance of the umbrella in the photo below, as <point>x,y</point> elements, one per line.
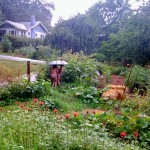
<point>58,62</point>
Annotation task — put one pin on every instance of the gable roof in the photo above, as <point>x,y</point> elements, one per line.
<point>24,25</point>
<point>15,24</point>
<point>28,25</point>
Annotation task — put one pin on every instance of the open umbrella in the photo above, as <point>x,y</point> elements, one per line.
<point>58,62</point>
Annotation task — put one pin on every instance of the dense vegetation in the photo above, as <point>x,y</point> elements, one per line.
<point>74,116</point>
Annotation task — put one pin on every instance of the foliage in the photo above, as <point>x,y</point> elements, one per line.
<point>80,68</point>
<point>6,44</point>
<point>87,95</point>
<point>24,89</point>
<point>138,75</point>
<point>130,42</point>
<point>99,57</point>
<point>19,42</point>
<point>25,51</point>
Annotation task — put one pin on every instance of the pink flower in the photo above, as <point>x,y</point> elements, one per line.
<point>123,134</point>
<point>75,114</point>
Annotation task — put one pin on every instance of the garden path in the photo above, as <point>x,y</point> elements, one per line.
<point>117,80</point>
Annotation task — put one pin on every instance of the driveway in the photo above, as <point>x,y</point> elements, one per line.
<point>21,59</point>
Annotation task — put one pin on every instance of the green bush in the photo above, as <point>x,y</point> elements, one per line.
<point>24,89</point>
<point>6,44</point>
<point>138,75</point>
<point>80,68</point>
<point>18,42</point>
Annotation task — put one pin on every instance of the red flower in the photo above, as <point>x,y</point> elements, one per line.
<point>75,114</point>
<point>41,103</point>
<point>22,106</point>
<point>35,100</point>
<point>55,111</point>
<point>94,112</point>
<point>67,116</point>
<point>135,134</point>
<point>123,134</point>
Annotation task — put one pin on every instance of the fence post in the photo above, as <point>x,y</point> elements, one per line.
<point>28,70</point>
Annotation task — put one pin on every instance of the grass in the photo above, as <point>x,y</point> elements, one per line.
<point>14,68</point>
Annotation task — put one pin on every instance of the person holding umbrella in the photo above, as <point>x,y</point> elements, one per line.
<point>55,72</point>
<point>60,71</point>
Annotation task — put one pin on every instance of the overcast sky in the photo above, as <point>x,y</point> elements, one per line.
<point>69,8</point>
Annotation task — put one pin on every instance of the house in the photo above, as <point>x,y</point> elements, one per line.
<point>32,29</point>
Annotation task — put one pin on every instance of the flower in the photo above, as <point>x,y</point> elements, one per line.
<point>94,112</point>
<point>41,103</point>
<point>123,134</point>
<point>35,100</point>
<point>75,114</point>
<point>135,134</point>
<point>67,116</point>
<point>55,111</point>
<point>22,106</point>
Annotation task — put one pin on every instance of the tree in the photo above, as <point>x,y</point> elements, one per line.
<point>77,33</point>
<point>132,42</point>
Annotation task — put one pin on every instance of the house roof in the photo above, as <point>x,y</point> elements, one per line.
<point>28,25</point>
<point>24,25</point>
<point>16,25</point>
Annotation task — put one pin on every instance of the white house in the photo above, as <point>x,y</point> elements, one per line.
<point>32,29</point>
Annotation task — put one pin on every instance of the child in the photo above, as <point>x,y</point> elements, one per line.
<point>53,75</point>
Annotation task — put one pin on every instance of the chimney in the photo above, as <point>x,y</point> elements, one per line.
<point>32,20</point>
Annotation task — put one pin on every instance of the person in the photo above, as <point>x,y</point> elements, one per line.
<point>53,75</point>
<point>59,74</point>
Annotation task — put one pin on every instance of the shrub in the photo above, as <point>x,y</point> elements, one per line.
<point>80,68</point>
<point>138,75</point>
<point>24,89</point>
<point>18,42</point>
<point>6,44</point>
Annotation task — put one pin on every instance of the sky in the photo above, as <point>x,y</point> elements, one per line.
<point>68,8</point>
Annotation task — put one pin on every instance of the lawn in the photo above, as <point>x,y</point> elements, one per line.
<point>9,68</point>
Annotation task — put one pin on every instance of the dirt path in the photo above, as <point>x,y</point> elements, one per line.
<point>117,80</point>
